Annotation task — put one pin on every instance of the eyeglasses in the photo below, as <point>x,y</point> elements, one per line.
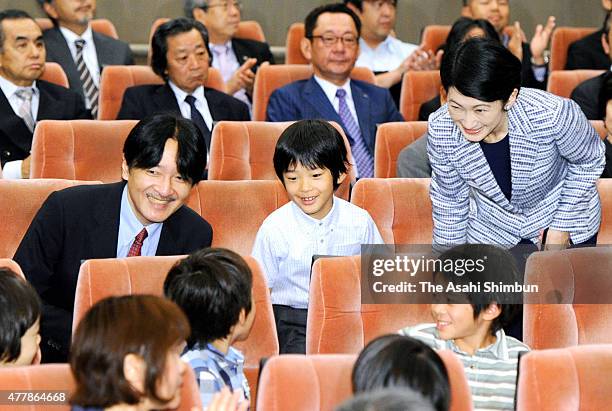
<point>227,4</point>
<point>378,4</point>
<point>328,40</point>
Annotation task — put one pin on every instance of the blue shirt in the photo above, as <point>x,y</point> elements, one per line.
<point>498,157</point>
<point>129,227</point>
<point>214,370</point>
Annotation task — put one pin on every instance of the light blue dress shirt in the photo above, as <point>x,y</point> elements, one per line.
<point>129,227</point>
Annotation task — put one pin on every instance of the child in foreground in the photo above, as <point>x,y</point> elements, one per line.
<point>311,161</point>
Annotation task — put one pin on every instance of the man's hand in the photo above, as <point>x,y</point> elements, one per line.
<point>540,40</point>
<point>242,78</point>
<point>515,43</point>
<point>557,240</point>
<point>25,167</point>
<point>421,60</point>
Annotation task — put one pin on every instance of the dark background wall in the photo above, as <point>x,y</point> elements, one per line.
<point>134,17</point>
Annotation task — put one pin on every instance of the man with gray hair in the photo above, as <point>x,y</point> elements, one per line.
<point>236,58</point>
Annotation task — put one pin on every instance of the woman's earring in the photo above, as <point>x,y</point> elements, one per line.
<point>507,107</point>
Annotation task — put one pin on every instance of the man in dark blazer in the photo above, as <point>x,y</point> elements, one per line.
<point>71,23</point>
<point>331,44</point>
<point>22,62</point>
<point>236,58</point>
<point>588,53</point>
<point>172,42</point>
<point>142,215</point>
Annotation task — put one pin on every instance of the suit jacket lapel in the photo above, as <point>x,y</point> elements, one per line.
<point>364,114</point>
<point>169,236</point>
<point>242,54</point>
<point>523,151</point>
<point>64,57</point>
<point>105,231</point>
<point>48,105</point>
<point>103,53</point>
<point>13,126</point>
<point>217,109</point>
<point>319,103</point>
<point>165,100</point>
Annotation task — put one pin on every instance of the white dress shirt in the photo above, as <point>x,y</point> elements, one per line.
<point>330,89</point>
<point>387,56</point>
<point>130,226</point>
<point>288,239</point>
<point>89,51</point>
<point>12,169</point>
<point>200,103</point>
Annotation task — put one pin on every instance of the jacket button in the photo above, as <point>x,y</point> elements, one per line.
<point>6,153</point>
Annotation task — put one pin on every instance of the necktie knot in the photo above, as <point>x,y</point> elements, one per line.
<point>80,43</point>
<point>341,93</point>
<point>190,100</point>
<point>25,93</point>
<point>140,237</point>
<point>137,244</point>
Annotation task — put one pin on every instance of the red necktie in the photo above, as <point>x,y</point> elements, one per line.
<point>137,244</point>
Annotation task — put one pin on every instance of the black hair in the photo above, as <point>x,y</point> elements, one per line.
<point>212,286</point>
<point>144,146</point>
<point>20,307</point>
<point>606,25</point>
<point>387,399</point>
<point>11,14</point>
<point>498,265</point>
<point>605,94</point>
<point>395,360</point>
<point>481,68</point>
<point>159,42</point>
<point>462,26</point>
<point>311,143</point>
<point>311,19</point>
<point>359,3</point>
<point>190,5</point>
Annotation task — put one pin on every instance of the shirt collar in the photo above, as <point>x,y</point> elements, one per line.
<point>233,356</point>
<point>309,223</point>
<point>131,226</point>
<point>499,349</point>
<point>386,43</point>
<point>330,88</point>
<point>71,36</point>
<point>181,94</point>
<point>221,48</point>
<point>9,88</point>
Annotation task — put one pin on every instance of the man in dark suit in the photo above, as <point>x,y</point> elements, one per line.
<point>180,56</point>
<point>535,61</point>
<point>24,99</point>
<point>142,215</point>
<point>236,58</point>
<point>80,51</point>
<point>332,45</point>
<point>588,93</point>
<point>588,53</point>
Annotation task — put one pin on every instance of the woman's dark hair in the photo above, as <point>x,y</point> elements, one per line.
<point>605,95</point>
<point>145,325</point>
<point>462,26</point>
<point>482,69</point>
<point>212,286</point>
<point>311,143</point>
<point>400,361</point>
<point>498,265</point>
<point>19,309</point>
<point>144,146</point>
<point>159,42</point>
<point>310,23</point>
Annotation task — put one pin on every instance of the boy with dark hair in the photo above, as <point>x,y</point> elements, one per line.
<point>310,159</point>
<point>473,329</point>
<point>19,320</point>
<point>213,286</point>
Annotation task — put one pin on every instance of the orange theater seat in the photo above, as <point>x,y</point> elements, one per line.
<point>293,52</point>
<point>338,322</point>
<point>243,150</point>
<point>560,41</point>
<point>580,276</point>
<point>11,265</point>
<point>226,205</point>
<point>270,77</point>
<point>54,73</point>
<point>116,79</point>
<point>391,138</point>
<point>145,275</point>
<point>563,82</point>
<point>103,26</point>
<point>58,380</point>
<point>19,202</point>
<point>604,187</point>
<point>418,87</point>
<point>434,36</point>
<point>79,149</point>
<point>322,382</point>
<point>571,379</point>
<point>400,207</point>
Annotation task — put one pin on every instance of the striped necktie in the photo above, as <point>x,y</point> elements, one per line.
<point>89,88</point>
<point>363,159</point>
<point>25,109</point>
<point>137,244</point>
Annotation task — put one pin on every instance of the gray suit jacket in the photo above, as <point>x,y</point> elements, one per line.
<point>413,161</point>
<point>110,52</point>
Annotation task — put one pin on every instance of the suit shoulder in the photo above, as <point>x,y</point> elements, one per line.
<point>110,41</point>
<point>292,87</point>
<point>143,90</point>
<point>56,90</point>
<point>224,98</point>
<point>191,221</point>
<point>251,44</point>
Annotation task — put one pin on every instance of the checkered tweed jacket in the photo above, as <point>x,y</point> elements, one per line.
<point>556,158</point>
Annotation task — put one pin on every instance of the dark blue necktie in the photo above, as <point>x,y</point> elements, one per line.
<point>197,118</point>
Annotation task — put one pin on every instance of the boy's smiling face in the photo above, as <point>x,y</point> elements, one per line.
<point>311,189</point>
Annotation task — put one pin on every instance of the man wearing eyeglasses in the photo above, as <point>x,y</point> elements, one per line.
<point>387,56</point>
<point>236,58</point>
<point>331,44</point>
